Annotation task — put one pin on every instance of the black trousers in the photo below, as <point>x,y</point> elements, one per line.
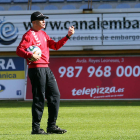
<point>44,85</point>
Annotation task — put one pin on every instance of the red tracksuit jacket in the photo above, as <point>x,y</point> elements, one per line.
<point>43,41</point>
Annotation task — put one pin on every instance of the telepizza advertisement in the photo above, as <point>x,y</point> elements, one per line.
<point>94,78</point>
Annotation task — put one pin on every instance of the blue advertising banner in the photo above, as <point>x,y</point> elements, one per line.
<point>12,78</point>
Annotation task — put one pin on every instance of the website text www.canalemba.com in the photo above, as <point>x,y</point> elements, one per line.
<point>90,25</point>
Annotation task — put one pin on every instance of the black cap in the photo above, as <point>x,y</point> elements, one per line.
<point>37,16</point>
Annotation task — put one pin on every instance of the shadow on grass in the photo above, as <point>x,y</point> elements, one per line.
<point>24,134</point>
<point>80,103</point>
<point>14,134</point>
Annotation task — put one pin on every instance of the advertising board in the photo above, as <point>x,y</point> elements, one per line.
<point>97,31</point>
<point>93,78</point>
<point>12,78</point>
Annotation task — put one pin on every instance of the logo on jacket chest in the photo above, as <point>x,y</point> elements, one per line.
<point>45,39</point>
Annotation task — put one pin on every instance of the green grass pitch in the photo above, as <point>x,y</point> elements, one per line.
<point>84,120</point>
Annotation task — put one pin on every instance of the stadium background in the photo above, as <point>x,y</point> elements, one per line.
<point>67,4</point>
<point>82,86</point>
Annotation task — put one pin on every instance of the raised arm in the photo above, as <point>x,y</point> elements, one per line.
<point>56,45</point>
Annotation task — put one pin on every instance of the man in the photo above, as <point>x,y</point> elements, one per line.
<point>43,82</point>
